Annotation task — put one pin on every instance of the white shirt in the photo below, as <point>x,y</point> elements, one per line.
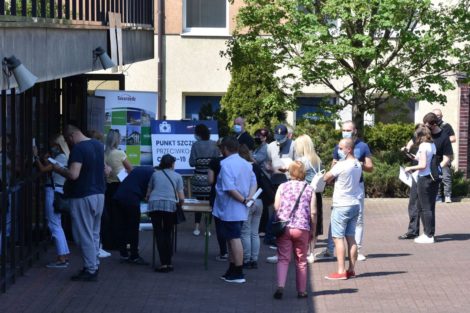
<point>347,187</point>
<point>428,149</point>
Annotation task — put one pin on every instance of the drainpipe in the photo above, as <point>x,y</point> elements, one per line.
<point>161,61</point>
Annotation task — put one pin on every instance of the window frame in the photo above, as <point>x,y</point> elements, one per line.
<point>206,31</point>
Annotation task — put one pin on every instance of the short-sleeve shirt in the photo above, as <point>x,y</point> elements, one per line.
<point>58,179</point>
<point>235,174</point>
<point>161,186</point>
<point>290,191</point>
<point>443,145</point>
<point>133,188</point>
<point>277,152</point>
<point>246,139</point>
<point>90,154</point>
<point>447,129</point>
<point>361,152</point>
<point>347,189</point>
<point>428,149</point>
<point>114,159</point>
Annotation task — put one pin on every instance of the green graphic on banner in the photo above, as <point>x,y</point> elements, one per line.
<point>133,154</point>
<point>119,118</point>
<point>146,136</point>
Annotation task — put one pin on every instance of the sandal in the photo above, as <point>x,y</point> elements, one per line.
<point>302,295</point>
<point>278,294</point>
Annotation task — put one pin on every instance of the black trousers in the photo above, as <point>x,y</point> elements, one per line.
<point>109,225</point>
<point>128,219</point>
<point>163,225</point>
<point>413,213</point>
<point>427,192</point>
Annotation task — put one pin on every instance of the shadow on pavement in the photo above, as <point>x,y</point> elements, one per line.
<point>452,237</point>
<point>386,255</point>
<point>372,274</point>
<point>334,292</point>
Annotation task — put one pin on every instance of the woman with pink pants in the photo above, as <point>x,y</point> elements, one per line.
<point>295,202</point>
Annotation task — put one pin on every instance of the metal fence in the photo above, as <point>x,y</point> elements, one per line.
<point>138,12</point>
<point>23,232</point>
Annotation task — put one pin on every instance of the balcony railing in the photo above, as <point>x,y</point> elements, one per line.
<point>133,12</point>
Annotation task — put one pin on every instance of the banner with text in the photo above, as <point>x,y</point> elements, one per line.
<point>130,112</point>
<point>176,138</point>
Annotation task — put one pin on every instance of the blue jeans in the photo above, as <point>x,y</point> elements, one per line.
<point>250,236</point>
<point>54,223</point>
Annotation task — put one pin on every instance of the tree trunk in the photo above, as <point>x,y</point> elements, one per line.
<point>358,114</point>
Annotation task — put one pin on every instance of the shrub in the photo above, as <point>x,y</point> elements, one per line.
<point>460,185</point>
<point>383,182</point>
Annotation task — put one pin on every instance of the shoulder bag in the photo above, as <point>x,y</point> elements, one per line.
<point>180,218</point>
<point>278,227</point>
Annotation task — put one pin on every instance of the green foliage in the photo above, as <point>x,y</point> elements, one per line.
<point>460,185</point>
<point>384,182</point>
<point>254,92</point>
<point>386,49</point>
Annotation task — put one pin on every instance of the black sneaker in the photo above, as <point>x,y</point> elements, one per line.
<point>253,264</point>
<point>235,278</point>
<point>137,261</point>
<point>85,275</point>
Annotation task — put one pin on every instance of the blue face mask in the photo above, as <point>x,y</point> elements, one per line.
<point>342,156</point>
<point>237,129</point>
<point>55,151</point>
<point>280,138</point>
<point>347,134</point>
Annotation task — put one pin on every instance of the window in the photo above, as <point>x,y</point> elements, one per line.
<point>205,17</point>
<point>309,108</point>
<point>201,107</point>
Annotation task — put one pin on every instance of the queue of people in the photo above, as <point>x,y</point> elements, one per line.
<point>228,174</point>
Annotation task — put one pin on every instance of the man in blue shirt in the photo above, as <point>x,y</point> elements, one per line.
<point>235,185</point>
<point>85,188</point>
<point>363,154</point>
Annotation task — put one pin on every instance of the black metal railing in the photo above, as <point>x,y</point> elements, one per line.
<point>138,12</point>
<point>23,229</point>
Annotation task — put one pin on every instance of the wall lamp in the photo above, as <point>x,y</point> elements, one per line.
<point>104,58</point>
<point>24,78</point>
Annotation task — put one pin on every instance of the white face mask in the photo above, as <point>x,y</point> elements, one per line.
<point>347,134</point>
<point>342,156</point>
<point>237,129</point>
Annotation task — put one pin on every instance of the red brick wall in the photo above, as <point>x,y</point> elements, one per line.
<point>463,129</point>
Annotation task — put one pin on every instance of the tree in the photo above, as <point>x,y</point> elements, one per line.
<point>254,92</point>
<point>365,51</point>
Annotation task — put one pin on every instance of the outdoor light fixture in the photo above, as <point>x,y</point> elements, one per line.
<point>24,78</point>
<point>104,58</point>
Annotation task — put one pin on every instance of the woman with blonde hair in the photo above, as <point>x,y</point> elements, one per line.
<point>305,152</point>
<point>294,203</point>
<point>117,160</point>
<point>55,184</point>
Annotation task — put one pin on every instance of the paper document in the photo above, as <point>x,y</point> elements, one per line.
<point>255,196</point>
<point>405,176</point>
<point>51,160</point>
<point>122,175</point>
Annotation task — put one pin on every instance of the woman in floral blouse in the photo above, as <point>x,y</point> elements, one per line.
<point>299,230</point>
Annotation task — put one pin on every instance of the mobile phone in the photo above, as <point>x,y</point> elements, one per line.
<point>34,142</point>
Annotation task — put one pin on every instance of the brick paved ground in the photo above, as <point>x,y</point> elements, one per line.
<point>398,276</point>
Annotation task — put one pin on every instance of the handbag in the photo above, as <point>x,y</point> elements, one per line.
<point>318,183</point>
<point>61,204</point>
<point>278,227</point>
<point>180,218</point>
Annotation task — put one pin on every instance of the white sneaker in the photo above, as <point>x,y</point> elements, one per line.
<point>272,259</point>
<point>103,254</point>
<point>361,257</point>
<point>324,255</point>
<point>424,239</point>
<point>196,232</point>
<point>310,258</point>
<point>448,200</point>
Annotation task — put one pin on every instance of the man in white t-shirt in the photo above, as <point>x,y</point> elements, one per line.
<point>346,204</point>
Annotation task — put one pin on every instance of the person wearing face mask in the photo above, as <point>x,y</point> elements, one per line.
<point>347,196</point>
<point>202,152</point>
<point>281,148</point>
<point>242,136</point>
<point>260,154</point>
<point>361,152</point>
<point>59,152</point>
<point>446,171</point>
